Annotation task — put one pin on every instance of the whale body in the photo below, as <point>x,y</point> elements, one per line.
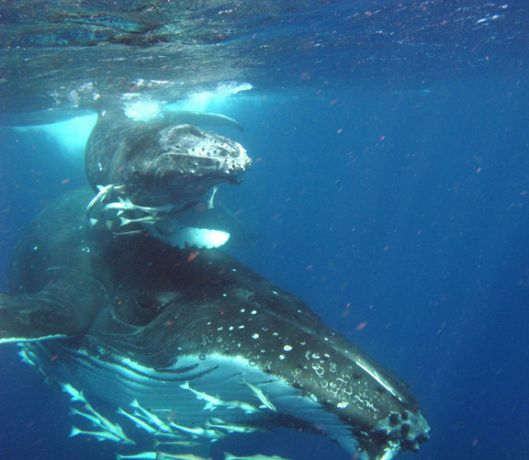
<point>128,319</point>
<point>182,342</point>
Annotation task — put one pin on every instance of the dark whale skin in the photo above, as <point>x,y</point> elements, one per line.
<point>162,161</point>
<point>145,300</point>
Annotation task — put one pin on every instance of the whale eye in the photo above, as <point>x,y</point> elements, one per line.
<point>145,301</point>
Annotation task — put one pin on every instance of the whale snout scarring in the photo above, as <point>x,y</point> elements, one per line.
<point>156,176</point>
<point>187,151</point>
<point>183,164</point>
<point>163,163</point>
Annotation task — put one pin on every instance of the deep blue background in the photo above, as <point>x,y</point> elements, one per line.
<point>401,217</point>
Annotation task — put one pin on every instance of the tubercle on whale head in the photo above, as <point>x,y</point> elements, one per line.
<point>403,431</point>
<point>374,416</point>
<point>163,161</point>
<point>382,416</point>
<point>385,416</point>
<point>381,425</point>
<point>151,174</point>
<point>183,164</point>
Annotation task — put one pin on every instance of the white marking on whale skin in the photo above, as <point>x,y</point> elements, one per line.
<point>390,453</point>
<point>184,237</point>
<point>71,134</point>
<point>213,99</point>
<point>211,200</point>
<point>382,381</point>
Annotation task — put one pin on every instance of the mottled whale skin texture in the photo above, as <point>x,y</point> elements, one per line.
<point>155,175</point>
<point>162,161</point>
<point>145,316</point>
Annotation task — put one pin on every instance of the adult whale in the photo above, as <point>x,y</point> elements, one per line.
<point>183,342</point>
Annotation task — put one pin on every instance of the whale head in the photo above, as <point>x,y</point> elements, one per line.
<point>156,176</point>
<point>211,339</point>
<point>209,347</point>
<point>161,163</point>
<point>181,163</point>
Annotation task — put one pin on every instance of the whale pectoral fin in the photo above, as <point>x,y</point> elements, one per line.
<point>65,307</point>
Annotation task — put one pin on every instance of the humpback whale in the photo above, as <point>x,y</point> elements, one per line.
<point>182,345</point>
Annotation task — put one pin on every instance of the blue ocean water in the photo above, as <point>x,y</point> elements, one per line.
<point>399,213</point>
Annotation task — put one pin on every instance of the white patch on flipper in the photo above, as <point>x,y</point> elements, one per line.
<point>382,381</point>
<point>71,134</point>
<point>201,238</point>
